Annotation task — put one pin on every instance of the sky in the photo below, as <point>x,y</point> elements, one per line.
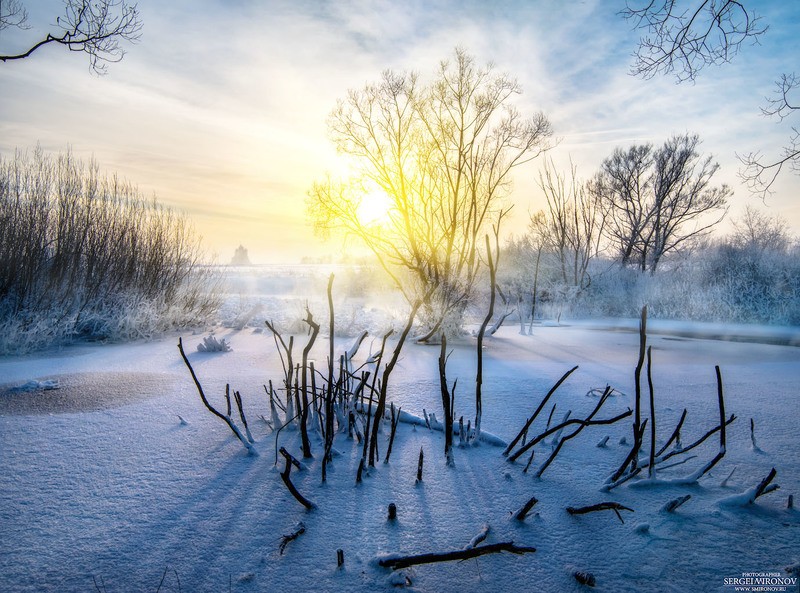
<point>220,109</point>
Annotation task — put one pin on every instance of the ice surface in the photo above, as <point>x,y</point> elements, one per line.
<point>124,491</point>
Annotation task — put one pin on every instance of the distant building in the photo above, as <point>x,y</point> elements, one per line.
<point>240,257</point>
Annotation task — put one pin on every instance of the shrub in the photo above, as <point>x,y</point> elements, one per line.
<point>86,256</point>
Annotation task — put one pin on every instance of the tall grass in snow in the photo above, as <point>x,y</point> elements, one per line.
<point>84,255</point>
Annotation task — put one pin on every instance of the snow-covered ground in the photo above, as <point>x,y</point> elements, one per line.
<point>102,482</point>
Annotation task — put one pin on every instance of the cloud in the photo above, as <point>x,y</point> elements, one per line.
<point>221,108</point>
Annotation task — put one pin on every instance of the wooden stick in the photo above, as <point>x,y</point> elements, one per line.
<point>398,562</point>
<point>637,444</point>
<point>286,480</point>
<point>520,514</point>
<point>300,529</point>
<point>395,422</point>
<point>601,506</point>
<point>652,469</point>
<point>764,487</point>
<point>676,435</point>
<point>447,400</point>
<point>675,503</point>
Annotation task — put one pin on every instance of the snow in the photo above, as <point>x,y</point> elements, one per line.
<point>129,479</point>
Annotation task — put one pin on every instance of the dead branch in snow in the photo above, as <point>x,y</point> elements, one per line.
<point>522,513</point>
<point>479,537</point>
<point>530,420</point>
<point>492,262</point>
<point>574,433</point>
<point>601,506</point>
<point>314,328</point>
<point>395,422</point>
<point>652,468</point>
<point>676,436</point>
<point>384,383</point>
<point>227,419</point>
<point>765,487</point>
<point>558,427</point>
<point>398,562</point>
<point>447,399</point>
<point>637,421</point>
<point>290,461</point>
<point>675,503</point>
<point>238,398</point>
<point>722,423</point>
<point>299,530</point>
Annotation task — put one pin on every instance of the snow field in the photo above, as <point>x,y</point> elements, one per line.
<point>121,493</point>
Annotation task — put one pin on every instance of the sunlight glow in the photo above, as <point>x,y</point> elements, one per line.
<point>374,208</point>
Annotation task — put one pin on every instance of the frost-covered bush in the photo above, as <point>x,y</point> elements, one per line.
<point>86,256</point>
<point>723,283</point>
<point>212,344</point>
<point>731,280</point>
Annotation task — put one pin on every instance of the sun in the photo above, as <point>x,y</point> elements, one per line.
<point>374,208</point>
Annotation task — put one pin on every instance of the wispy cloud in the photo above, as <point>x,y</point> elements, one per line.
<point>221,108</point>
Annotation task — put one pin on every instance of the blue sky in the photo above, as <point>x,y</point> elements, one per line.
<point>220,109</point>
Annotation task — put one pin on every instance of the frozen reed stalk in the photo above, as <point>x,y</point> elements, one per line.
<point>522,513</point>
<point>419,465</point>
<point>392,516</point>
<point>339,558</point>
<point>395,422</point>
<point>603,444</point>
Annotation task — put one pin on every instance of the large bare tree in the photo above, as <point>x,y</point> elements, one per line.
<point>683,37</point>
<point>443,153</point>
<point>94,27</point>
<point>656,199</point>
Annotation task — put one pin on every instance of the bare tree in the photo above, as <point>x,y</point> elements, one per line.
<point>758,232</point>
<point>443,153</point>
<point>571,227</point>
<point>94,27</point>
<point>655,201</point>
<point>682,39</point>
<point>759,173</point>
<point>622,189</point>
<point>13,14</point>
